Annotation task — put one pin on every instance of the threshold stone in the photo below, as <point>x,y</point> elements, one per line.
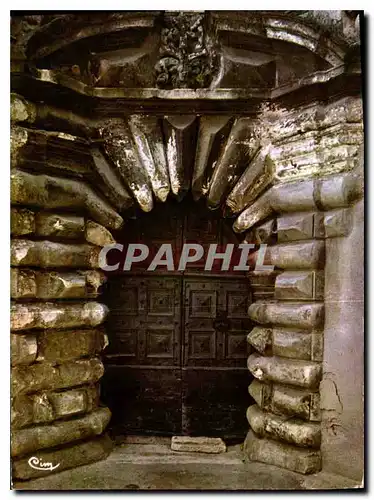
<point>199,444</point>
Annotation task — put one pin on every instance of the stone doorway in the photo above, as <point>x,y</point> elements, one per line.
<point>176,360</point>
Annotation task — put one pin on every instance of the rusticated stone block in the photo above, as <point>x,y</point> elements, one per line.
<point>198,444</point>
<point>56,315</point>
<point>285,371</point>
<point>48,436</point>
<point>22,221</point>
<point>27,283</point>
<point>261,234</point>
<point>23,349</point>
<point>50,254</point>
<point>295,227</point>
<point>337,223</point>
<point>260,338</point>
<point>59,346</point>
<point>67,457</point>
<point>261,393</point>
<point>49,192</point>
<point>299,285</point>
<point>290,401</point>
<point>22,283</point>
<point>283,455</point>
<point>315,407</point>
<point>296,344</point>
<point>282,428</point>
<point>317,346</point>
<point>59,225</point>
<point>45,376</point>
<point>303,255</point>
<point>44,407</point>
<point>298,315</point>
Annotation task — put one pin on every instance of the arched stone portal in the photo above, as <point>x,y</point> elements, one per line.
<point>259,116</point>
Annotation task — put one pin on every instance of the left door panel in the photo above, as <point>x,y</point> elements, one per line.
<point>142,381</point>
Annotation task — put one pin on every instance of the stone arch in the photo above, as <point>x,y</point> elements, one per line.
<point>96,134</point>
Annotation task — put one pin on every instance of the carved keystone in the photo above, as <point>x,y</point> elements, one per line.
<point>298,315</point>
<point>285,371</point>
<point>283,455</point>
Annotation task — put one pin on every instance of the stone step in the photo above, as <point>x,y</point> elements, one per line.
<point>198,444</point>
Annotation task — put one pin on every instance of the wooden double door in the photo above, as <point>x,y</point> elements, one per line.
<point>176,360</point>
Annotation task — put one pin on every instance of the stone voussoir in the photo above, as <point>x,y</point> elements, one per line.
<point>97,234</point>
<point>293,372</point>
<point>45,191</point>
<point>56,315</point>
<point>294,314</point>
<point>283,455</point>
<point>284,428</point>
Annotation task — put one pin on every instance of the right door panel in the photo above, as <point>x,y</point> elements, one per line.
<point>215,377</point>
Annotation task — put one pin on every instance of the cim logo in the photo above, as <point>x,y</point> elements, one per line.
<point>37,464</point>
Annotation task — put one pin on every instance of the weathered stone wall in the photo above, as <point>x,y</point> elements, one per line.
<point>290,421</point>
<point>277,141</point>
<point>57,319</point>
